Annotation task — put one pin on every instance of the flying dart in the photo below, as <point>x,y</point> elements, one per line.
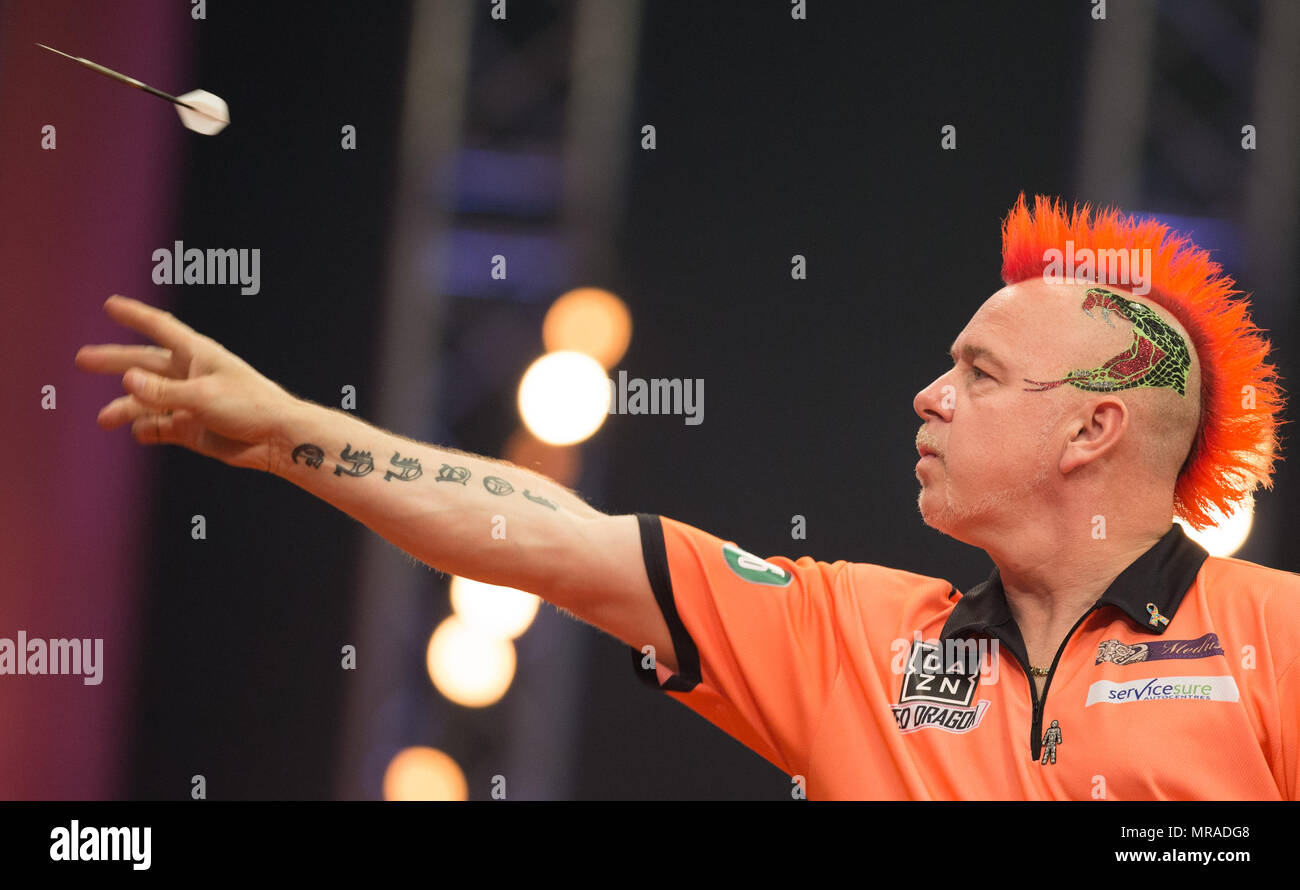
<point>200,110</point>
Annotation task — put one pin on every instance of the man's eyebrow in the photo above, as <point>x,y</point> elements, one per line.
<point>971,352</point>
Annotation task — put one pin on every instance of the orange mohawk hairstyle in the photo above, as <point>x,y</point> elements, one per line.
<point>1236,441</point>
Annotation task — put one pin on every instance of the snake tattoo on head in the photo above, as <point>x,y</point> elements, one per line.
<point>1158,355</point>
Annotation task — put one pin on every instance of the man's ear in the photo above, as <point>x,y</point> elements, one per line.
<point>1095,432</point>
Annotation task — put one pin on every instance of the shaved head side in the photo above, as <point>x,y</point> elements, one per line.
<point>1146,358</point>
<point>1167,427</point>
<point>1167,424</point>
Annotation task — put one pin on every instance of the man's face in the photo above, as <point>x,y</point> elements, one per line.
<point>994,440</point>
<point>1008,425</point>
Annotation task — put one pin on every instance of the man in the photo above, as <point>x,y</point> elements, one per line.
<point>1081,413</point>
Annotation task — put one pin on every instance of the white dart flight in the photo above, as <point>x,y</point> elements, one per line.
<point>200,110</point>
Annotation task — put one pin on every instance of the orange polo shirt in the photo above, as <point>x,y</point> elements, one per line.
<point>1180,683</point>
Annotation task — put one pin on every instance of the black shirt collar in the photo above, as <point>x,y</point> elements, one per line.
<point>1153,584</point>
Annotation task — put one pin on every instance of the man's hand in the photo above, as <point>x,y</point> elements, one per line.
<point>188,390</point>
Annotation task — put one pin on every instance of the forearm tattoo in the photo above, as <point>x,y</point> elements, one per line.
<point>408,469</point>
<point>362,462</point>
<point>311,455</point>
<point>448,473</point>
<point>538,499</point>
<point>497,485</point>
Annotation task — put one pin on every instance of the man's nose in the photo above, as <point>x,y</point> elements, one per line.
<point>935,401</point>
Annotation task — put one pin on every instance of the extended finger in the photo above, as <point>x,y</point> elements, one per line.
<point>123,409</point>
<point>161,327</point>
<point>160,429</point>
<point>162,392</point>
<point>114,358</point>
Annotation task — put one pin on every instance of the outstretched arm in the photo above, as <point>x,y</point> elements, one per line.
<point>473,516</point>
<point>469,515</point>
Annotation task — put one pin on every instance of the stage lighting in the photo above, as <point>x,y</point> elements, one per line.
<point>564,397</point>
<point>500,612</point>
<point>591,321</point>
<point>469,667</point>
<point>421,773</point>
<point>1226,536</point>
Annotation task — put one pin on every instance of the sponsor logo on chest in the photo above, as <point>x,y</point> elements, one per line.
<point>1218,688</point>
<point>1115,652</point>
<point>933,699</point>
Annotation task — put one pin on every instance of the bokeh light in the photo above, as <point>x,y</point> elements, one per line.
<point>421,773</point>
<point>564,397</point>
<point>591,321</point>
<point>500,612</point>
<point>469,667</point>
<point>1226,536</point>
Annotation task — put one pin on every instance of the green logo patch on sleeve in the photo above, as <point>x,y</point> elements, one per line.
<point>750,568</point>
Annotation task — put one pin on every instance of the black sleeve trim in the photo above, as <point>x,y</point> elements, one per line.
<point>655,553</point>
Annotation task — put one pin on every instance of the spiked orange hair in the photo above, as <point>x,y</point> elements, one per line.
<point>1235,446</point>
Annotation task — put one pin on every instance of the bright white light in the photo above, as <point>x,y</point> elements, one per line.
<point>468,666</point>
<point>500,612</point>
<point>564,397</point>
<point>1226,536</point>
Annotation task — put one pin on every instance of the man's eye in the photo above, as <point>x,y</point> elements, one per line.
<point>977,372</point>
